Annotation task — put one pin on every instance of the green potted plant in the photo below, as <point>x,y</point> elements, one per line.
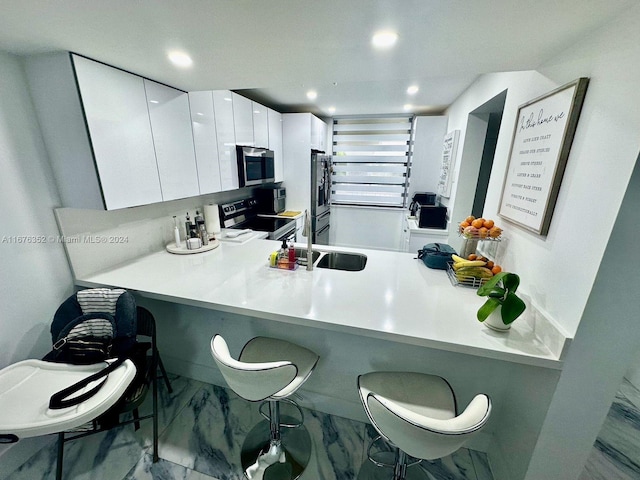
<point>503,306</point>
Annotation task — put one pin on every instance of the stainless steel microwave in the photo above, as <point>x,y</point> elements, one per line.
<point>255,166</point>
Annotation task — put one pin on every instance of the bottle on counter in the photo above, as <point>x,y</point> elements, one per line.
<point>187,227</point>
<point>292,253</point>
<point>176,232</point>
<point>283,256</point>
<point>201,229</point>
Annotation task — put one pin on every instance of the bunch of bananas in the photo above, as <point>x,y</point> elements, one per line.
<point>470,270</point>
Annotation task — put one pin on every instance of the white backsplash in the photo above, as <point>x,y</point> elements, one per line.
<point>97,240</point>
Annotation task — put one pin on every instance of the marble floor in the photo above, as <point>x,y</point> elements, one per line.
<point>201,428</point>
<point>616,452</point>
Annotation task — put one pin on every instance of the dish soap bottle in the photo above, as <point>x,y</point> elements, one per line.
<point>283,255</point>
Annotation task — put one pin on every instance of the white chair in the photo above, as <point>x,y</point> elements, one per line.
<point>269,370</point>
<point>417,415</point>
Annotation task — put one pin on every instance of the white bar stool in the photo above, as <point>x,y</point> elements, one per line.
<point>417,415</point>
<point>269,370</point>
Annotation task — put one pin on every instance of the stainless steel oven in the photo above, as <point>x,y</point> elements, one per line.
<point>321,227</point>
<point>243,214</point>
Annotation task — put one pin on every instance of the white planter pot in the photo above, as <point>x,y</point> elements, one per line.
<point>494,321</point>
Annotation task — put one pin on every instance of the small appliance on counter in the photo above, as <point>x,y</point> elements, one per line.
<point>421,198</point>
<point>431,216</point>
<point>271,199</point>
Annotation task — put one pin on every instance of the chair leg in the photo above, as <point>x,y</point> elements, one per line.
<point>60,456</point>
<point>164,373</point>
<point>136,417</point>
<point>154,383</point>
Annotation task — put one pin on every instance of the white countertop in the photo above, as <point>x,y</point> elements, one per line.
<point>413,227</point>
<point>396,297</point>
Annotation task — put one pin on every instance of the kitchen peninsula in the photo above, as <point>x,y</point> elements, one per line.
<point>396,314</point>
<point>395,297</point>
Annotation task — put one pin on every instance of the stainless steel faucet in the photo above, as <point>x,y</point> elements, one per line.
<point>306,231</point>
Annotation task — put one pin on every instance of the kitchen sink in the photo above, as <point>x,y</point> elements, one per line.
<point>301,255</point>
<point>351,262</point>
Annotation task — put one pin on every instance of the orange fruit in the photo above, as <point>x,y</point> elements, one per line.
<point>464,224</point>
<point>473,256</point>
<point>489,264</point>
<point>483,232</point>
<point>495,232</point>
<point>488,223</point>
<point>496,269</point>
<point>469,219</point>
<point>478,222</point>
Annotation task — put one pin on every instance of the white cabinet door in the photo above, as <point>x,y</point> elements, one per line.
<point>260,125</point>
<point>243,120</point>
<point>116,112</point>
<point>275,143</point>
<point>223,108</point>
<point>173,140</point>
<point>205,141</point>
<point>319,131</point>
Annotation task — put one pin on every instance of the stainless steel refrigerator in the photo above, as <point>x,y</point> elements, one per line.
<point>320,197</point>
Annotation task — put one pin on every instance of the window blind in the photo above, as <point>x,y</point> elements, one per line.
<point>371,160</point>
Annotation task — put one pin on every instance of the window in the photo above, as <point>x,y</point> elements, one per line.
<point>371,160</point>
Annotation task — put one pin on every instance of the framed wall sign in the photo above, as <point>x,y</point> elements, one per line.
<point>540,147</point>
<point>449,151</point>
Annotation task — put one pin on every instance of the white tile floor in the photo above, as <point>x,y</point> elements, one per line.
<point>201,429</point>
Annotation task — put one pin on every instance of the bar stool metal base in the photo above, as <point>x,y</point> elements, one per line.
<point>370,471</point>
<point>391,464</point>
<point>290,455</point>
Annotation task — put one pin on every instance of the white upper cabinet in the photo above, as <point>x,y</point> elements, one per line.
<point>116,113</point>
<point>224,113</point>
<point>243,120</point>
<point>319,132</point>
<point>260,125</point>
<point>275,142</point>
<point>203,123</point>
<point>173,140</point>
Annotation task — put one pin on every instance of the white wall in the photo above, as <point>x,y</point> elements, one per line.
<point>34,278</point>
<point>558,271</point>
<point>366,227</point>
<point>427,153</point>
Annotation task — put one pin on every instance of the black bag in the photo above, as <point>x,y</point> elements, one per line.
<point>436,255</point>
<point>85,340</point>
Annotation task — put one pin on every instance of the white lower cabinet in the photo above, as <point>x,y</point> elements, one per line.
<point>173,140</point>
<point>415,238</point>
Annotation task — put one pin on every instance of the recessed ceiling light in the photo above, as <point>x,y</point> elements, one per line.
<point>180,59</point>
<point>407,107</point>
<point>227,99</point>
<point>312,94</point>
<point>413,89</point>
<point>154,101</point>
<point>332,109</point>
<point>384,39</point>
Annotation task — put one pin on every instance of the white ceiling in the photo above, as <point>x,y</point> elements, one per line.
<point>276,50</point>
